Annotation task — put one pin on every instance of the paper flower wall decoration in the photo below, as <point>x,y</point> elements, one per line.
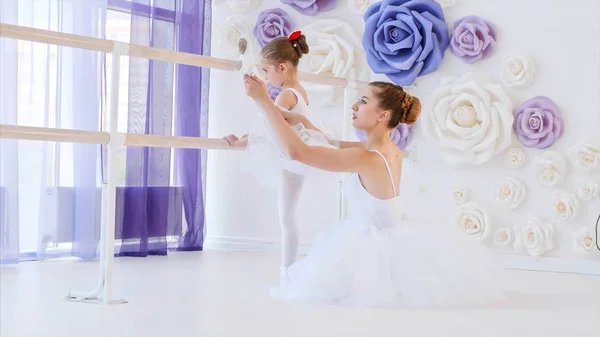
<point>335,50</point>
<point>538,123</point>
<point>473,39</point>
<point>273,91</point>
<point>405,39</point>
<point>401,136</point>
<point>586,155</point>
<point>502,237</point>
<point>229,33</point>
<point>584,240</point>
<point>518,70</point>
<point>550,168</point>
<point>242,6</point>
<point>271,24</point>
<point>311,7</point>
<point>565,206</point>
<point>471,218</point>
<point>471,120</point>
<point>359,6</point>
<point>514,158</point>
<point>535,236</point>
<point>510,191</point>
<point>587,188</point>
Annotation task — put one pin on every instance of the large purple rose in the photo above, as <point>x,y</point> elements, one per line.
<point>311,7</point>
<point>405,39</point>
<point>401,136</point>
<point>271,24</point>
<point>273,91</point>
<point>473,38</point>
<point>538,122</point>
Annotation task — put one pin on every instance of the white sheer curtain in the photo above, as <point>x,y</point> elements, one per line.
<point>49,192</point>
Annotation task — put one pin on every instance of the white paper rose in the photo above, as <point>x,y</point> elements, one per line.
<point>335,50</point>
<point>565,206</point>
<point>242,6</point>
<point>518,70</point>
<point>471,219</point>
<point>472,121</point>
<point>502,237</point>
<point>535,236</point>
<point>359,6</point>
<point>550,168</point>
<point>510,191</point>
<point>587,188</point>
<point>584,240</point>
<point>229,33</point>
<point>586,155</point>
<point>514,158</point>
<point>460,195</point>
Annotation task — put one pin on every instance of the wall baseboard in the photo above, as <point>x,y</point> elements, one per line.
<point>517,262</point>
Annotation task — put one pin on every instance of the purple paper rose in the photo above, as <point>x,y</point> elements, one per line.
<point>401,136</point>
<point>311,7</point>
<point>271,24</point>
<point>473,39</point>
<point>405,39</point>
<point>538,122</point>
<point>273,91</point>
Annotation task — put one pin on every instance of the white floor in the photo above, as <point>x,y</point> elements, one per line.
<point>217,293</point>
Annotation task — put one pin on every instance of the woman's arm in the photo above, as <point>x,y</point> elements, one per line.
<point>343,160</point>
<point>294,118</point>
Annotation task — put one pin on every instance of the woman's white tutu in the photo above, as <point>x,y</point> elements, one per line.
<point>407,264</point>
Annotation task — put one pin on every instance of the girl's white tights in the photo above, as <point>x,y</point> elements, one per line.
<point>289,192</point>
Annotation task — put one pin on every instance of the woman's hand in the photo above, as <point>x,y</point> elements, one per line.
<point>256,89</point>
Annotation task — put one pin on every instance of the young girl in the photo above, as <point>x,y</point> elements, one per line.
<point>372,258</point>
<point>264,157</point>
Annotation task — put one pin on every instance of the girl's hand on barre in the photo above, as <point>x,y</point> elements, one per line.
<point>256,89</point>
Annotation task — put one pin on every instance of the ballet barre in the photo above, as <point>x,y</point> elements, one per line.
<point>112,139</point>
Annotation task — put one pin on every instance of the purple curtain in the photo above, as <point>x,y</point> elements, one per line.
<point>150,206</point>
<point>191,116</point>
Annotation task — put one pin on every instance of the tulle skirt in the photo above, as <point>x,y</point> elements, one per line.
<point>409,265</point>
<point>264,158</point>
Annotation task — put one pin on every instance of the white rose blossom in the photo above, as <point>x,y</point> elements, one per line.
<point>518,70</point>
<point>550,168</point>
<point>565,206</point>
<point>514,157</point>
<point>242,6</point>
<point>229,33</point>
<point>460,194</point>
<point>335,50</point>
<point>359,6</point>
<point>447,3</point>
<point>535,236</point>
<point>583,240</point>
<point>471,219</point>
<point>472,121</point>
<point>586,155</point>
<point>587,188</point>
<point>510,191</point>
<point>502,237</point>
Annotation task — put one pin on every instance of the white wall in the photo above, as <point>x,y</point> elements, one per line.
<point>562,36</point>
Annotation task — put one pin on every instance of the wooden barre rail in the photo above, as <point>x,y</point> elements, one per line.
<point>107,46</point>
<point>98,137</point>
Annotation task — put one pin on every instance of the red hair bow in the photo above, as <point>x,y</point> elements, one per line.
<point>294,35</point>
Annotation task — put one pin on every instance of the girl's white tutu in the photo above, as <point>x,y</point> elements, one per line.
<point>264,158</point>
<point>374,260</point>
